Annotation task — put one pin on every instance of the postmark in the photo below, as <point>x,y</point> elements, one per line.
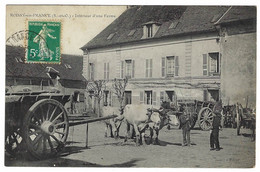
<point>45,46</point>
<point>16,50</point>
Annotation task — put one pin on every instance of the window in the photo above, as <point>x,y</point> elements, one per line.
<point>149,68</point>
<point>67,66</point>
<point>211,95</point>
<point>214,62</point>
<point>110,36</point>
<point>149,30</point>
<point>148,97</point>
<point>170,66</point>
<point>91,71</point>
<point>81,97</point>
<point>106,98</point>
<point>132,32</point>
<point>18,60</point>
<point>174,24</point>
<point>128,97</point>
<point>106,71</point>
<point>128,68</point>
<point>211,64</point>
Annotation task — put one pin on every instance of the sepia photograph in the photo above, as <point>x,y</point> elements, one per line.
<point>130,86</point>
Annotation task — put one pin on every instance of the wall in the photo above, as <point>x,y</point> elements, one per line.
<point>181,47</point>
<point>189,49</point>
<point>238,78</point>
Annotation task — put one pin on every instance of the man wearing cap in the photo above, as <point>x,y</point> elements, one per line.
<point>216,125</point>
<point>185,125</point>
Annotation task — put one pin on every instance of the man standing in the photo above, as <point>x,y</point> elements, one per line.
<point>185,126</point>
<point>216,125</point>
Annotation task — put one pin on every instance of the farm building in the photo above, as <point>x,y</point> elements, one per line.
<point>205,53</point>
<point>24,77</point>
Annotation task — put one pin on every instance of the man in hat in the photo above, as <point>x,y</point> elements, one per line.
<point>216,125</point>
<point>185,125</point>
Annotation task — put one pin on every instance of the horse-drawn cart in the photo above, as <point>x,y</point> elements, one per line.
<point>36,123</point>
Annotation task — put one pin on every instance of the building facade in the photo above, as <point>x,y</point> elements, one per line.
<point>168,53</point>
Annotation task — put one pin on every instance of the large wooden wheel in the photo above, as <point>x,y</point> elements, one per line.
<point>45,128</point>
<point>205,118</point>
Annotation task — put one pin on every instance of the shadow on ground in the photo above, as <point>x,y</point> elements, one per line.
<point>62,161</point>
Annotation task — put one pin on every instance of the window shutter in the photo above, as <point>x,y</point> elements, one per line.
<point>151,68</point>
<point>154,98</point>
<point>146,69</point>
<point>163,66</point>
<point>105,70</point>
<point>162,96</point>
<point>205,64</point>
<point>92,69</point>
<point>145,97</point>
<point>122,69</point>
<point>177,66</point>
<point>205,95</point>
<point>141,97</point>
<point>220,56</point>
<point>133,69</point>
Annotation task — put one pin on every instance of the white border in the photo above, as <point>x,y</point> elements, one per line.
<point>3,4</point>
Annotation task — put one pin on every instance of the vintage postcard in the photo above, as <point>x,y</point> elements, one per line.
<point>130,86</point>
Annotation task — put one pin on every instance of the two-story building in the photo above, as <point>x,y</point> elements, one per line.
<point>168,52</point>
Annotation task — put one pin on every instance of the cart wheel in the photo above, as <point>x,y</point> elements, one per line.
<point>45,128</point>
<point>13,142</point>
<point>205,118</point>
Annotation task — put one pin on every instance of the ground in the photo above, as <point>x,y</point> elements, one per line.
<point>238,151</point>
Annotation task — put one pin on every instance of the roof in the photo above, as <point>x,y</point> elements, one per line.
<point>236,13</point>
<point>70,68</point>
<point>173,20</point>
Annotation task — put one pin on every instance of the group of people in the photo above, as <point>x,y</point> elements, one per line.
<point>186,122</point>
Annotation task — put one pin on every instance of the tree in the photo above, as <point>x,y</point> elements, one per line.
<point>97,87</point>
<point>119,86</point>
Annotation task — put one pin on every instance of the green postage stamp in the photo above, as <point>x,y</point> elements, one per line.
<point>44,47</point>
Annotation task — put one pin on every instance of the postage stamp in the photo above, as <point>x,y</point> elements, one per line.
<point>45,47</point>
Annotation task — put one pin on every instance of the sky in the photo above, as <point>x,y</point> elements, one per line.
<point>79,23</point>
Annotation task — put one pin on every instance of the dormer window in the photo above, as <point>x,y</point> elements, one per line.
<point>110,36</point>
<point>18,60</point>
<point>132,32</point>
<point>150,29</point>
<point>174,24</point>
<point>67,66</point>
